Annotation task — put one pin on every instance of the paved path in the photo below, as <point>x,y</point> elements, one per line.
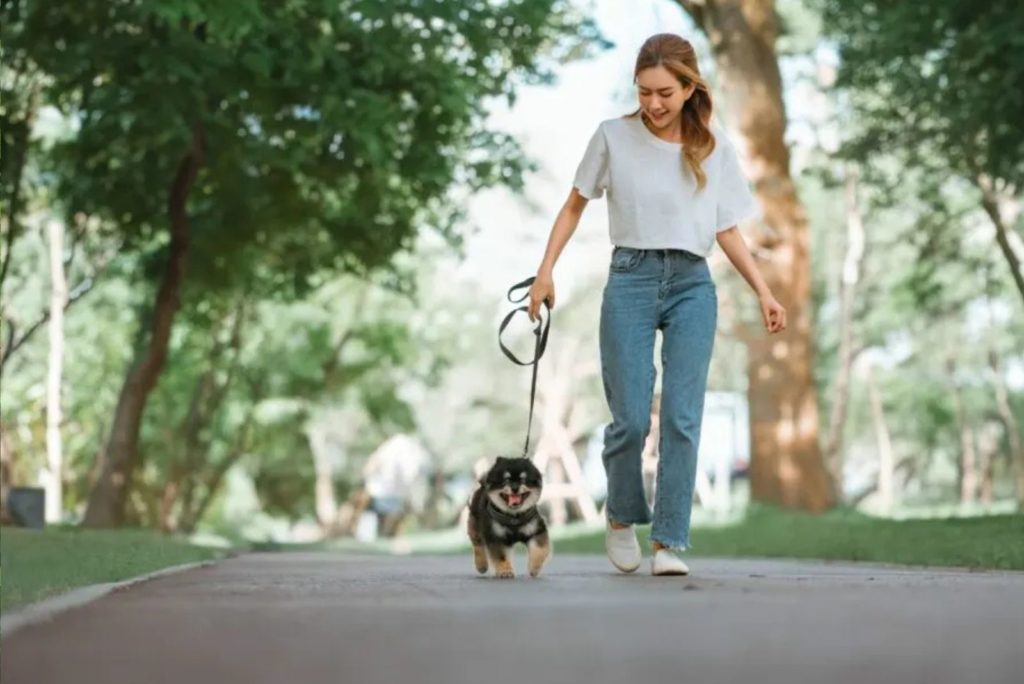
<point>308,618</point>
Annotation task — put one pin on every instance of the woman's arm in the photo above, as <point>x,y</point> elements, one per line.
<point>732,243</point>
<point>565,225</point>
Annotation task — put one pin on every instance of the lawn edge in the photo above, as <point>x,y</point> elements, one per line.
<point>49,608</point>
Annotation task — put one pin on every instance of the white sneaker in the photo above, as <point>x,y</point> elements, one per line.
<point>665,562</point>
<point>622,546</point>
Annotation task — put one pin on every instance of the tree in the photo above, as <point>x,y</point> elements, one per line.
<point>54,412</point>
<point>786,463</point>
<point>261,143</point>
<point>937,84</point>
<point>930,92</point>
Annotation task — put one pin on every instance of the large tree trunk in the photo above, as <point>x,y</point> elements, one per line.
<point>107,498</point>
<point>54,448</point>
<point>849,278</point>
<point>786,465</point>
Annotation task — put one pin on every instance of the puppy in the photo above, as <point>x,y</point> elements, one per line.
<point>503,512</point>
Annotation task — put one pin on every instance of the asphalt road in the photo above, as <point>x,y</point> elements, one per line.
<point>308,618</point>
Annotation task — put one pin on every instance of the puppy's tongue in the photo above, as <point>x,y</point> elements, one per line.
<point>515,499</point>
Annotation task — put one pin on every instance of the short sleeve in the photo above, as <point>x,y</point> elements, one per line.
<point>592,173</point>
<point>735,203</point>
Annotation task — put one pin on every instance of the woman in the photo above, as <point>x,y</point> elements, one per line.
<point>675,187</point>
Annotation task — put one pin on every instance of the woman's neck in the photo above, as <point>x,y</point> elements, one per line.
<point>672,133</point>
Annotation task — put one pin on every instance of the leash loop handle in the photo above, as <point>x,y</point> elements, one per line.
<point>540,332</point>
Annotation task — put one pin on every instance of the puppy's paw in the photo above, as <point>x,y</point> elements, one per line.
<point>540,551</point>
<point>480,559</point>
<point>503,570</point>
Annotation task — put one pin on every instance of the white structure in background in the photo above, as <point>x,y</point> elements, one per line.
<point>724,450</point>
<point>396,475</point>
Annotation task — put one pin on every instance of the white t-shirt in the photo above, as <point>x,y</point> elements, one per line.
<point>653,201</point>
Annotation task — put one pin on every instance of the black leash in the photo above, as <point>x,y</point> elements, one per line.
<point>540,332</point>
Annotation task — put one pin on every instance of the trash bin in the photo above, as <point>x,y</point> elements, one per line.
<point>27,506</point>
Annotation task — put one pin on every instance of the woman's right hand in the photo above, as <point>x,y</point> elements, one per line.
<point>543,288</point>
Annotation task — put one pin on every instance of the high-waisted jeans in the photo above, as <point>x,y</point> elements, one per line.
<point>648,290</point>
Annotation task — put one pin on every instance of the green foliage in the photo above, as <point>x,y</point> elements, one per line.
<point>940,81</point>
<point>333,130</point>
<point>332,134</point>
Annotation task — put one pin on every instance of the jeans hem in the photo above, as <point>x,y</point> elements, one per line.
<point>671,544</point>
<point>626,521</point>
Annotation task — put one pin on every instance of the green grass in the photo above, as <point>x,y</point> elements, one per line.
<point>41,563</point>
<point>995,541</point>
<point>988,541</point>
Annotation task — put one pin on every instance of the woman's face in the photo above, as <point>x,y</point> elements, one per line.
<point>661,95</point>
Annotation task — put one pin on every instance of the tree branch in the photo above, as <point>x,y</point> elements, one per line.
<point>12,346</point>
<point>77,292</point>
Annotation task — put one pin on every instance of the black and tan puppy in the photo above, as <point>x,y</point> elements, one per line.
<point>503,512</point>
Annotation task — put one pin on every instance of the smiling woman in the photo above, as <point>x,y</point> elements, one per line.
<point>675,188</point>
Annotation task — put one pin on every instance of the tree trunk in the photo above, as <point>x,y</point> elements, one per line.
<point>1009,422</point>
<point>849,278</point>
<point>988,447</point>
<point>108,496</point>
<point>886,458</point>
<point>786,463</point>
<point>207,397</point>
<point>193,513</point>
<point>6,473</point>
<point>1002,215</point>
<point>968,466</point>
<point>54,448</point>
<point>431,518</point>
<point>14,149</point>
<point>967,477</point>
<point>326,504</point>
<point>168,497</point>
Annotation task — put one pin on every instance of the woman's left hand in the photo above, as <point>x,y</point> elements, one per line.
<point>773,313</point>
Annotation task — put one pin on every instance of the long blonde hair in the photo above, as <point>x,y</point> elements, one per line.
<point>677,55</point>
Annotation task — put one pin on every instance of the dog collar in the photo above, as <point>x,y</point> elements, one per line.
<point>510,519</point>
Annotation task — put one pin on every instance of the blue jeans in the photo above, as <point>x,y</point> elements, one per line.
<point>648,290</point>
